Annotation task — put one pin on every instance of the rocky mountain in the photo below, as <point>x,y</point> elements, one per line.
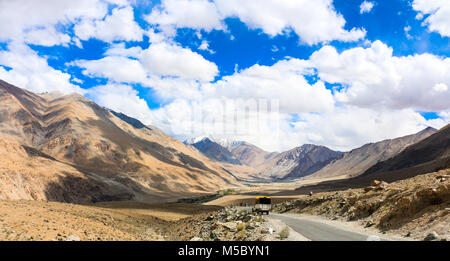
<point>298,162</point>
<point>427,155</point>
<point>67,148</point>
<point>215,151</point>
<point>430,154</point>
<point>250,161</point>
<point>250,154</point>
<point>357,161</point>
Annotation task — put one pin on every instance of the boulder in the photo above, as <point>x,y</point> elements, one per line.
<point>431,236</point>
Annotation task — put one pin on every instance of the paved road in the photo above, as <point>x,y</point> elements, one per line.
<point>320,231</point>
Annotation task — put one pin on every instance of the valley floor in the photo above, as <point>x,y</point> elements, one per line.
<point>408,209</point>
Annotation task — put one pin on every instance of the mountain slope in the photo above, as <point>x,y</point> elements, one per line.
<point>215,151</point>
<point>77,132</point>
<point>357,161</point>
<point>298,162</point>
<point>430,154</point>
<point>249,154</point>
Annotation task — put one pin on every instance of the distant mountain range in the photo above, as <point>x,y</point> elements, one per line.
<point>307,161</point>
<point>357,161</point>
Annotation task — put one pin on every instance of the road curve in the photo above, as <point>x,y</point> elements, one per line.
<point>316,230</point>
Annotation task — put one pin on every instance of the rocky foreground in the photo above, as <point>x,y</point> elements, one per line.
<point>228,224</point>
<point>26,220</point>
<point>416,208</point>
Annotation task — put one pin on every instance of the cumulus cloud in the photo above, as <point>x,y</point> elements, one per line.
<point>374,78</point>
<point>438,15</point>
<point>283,81</point>
<point>120,25</point>
<point>121,98</point>
<point>18,19</point>
<point>30,71</point>
<point>196,14</point>
<point>314,21</point>
<point>366,7</point>
<point>165,59</point>
<point>117,68</point>
<point>347,127</point>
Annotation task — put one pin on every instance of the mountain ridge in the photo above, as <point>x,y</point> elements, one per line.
<point>79,133</point>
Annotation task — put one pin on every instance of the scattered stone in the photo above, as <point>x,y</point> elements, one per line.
<point>375,183</point>
<point>370,223</point>
<point>196,239</point>
<point>73,238</point>
<point>431,236</point>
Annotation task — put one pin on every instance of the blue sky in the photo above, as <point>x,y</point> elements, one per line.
<point>343,76</point>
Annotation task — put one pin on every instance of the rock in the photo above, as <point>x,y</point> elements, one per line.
<point>369,188</point>
<point>310,193</point>
<point>230,225</point>
<point>432,236</point>
<point>73,238</point>
<point>375,183</point>
<point>370,223</point>
<point>196,239</point>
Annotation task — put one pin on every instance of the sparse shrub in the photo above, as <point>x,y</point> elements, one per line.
<point>240,226</point>
<point>241,235</point>
<point>284,233</point>
<point>227,192</point>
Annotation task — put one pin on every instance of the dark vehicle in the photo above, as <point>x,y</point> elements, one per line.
<point>263,205</point>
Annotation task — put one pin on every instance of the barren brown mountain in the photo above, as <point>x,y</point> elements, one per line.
<point>250,154</point>
<point>215,151</point>
<point>428,155</point>
<point>78,151</point>
<point>355,162</point>
<point>298,162</point>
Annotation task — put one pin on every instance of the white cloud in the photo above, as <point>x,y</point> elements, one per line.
<point>164,59</point>
<point>366,7</point>
<point>314,21</point>
<point>204,46</point>
<point>46,37</point>
<point>348,127</point>
<point>117,68</point>
<point>438,12</point>
<point>32,72</point>
<point>196,14</point>
<point>373,77</point>
<point>120,25</point>
<point>21,17</point>
<point>341,128</point>
<point>283,81</point>
<point>120,50</point>
<point>122,98</point>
